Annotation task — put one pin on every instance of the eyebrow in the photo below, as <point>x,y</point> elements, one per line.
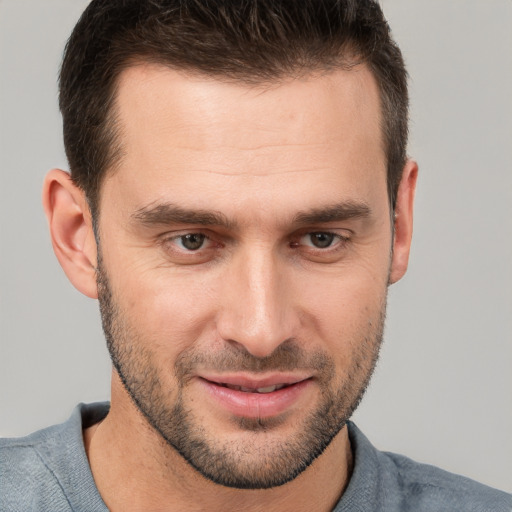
<point>334,213</point>
<point>168,213</point>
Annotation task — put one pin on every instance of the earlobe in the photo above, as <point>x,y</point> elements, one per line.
<point>71,230</point>
<point>403,221</point>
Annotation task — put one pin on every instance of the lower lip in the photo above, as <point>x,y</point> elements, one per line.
<point>256,405</point>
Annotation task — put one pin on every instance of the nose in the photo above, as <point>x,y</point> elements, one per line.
<point>256,309</point>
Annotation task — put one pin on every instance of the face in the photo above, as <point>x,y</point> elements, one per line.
<point>245,253</point>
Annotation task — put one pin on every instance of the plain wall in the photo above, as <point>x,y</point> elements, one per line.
<point>442,392</point>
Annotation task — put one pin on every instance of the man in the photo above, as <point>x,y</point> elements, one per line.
<point>239,202</point>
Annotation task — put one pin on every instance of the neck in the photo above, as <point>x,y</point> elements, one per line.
<point>135,469</point>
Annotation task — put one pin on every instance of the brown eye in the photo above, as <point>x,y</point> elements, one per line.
<point>321,240</point>
<point>192,241</point>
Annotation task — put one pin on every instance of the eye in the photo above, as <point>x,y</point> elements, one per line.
<point>319,240</point>
<point>191,241</point>
<point>190,248</point>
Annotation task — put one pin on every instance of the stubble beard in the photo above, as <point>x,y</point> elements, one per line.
<point>243,464</point>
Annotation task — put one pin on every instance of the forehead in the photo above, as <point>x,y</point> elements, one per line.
<point>181,130</point>
<point>344,103</point>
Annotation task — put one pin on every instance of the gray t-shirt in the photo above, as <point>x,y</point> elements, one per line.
<point>49,471</point>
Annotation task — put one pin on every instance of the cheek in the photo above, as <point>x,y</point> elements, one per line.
<point>165,310</point>
<point>345,309</point>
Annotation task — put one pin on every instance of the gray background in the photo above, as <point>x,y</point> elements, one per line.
<point>443,389</point>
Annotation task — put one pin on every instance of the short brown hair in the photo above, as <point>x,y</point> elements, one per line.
<point>254,41</point>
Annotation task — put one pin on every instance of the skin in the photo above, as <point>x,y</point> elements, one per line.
<point>263,157</point>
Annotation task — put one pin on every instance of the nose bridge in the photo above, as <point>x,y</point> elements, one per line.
<point>258,314</point>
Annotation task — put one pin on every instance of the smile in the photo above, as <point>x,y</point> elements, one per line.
<point>251,397</point>
<point>267,389</point>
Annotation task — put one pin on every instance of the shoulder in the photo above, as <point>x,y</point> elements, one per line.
<point>426,487</point>
<point>388,482</point>
<point>28,483</point>
<point>48,470</point>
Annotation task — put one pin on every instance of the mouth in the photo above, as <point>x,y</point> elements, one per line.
<point>256,384</point>
<point>266,389</point>
<point>257,397</point>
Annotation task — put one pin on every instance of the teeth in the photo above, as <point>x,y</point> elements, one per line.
<point>267,389</point>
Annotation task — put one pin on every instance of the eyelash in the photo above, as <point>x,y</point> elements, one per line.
<point>171,239</point>
<point>338,242</point>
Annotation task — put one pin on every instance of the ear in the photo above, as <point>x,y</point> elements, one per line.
<point>69,219</point>
<point>403,221</point>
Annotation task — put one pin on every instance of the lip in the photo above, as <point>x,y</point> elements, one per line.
<point>255,382</point>
<point>254,404</point>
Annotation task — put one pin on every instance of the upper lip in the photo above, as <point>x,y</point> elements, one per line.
<point>254,381</point>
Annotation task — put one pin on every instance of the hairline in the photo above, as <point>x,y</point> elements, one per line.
<point>113,127</point>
